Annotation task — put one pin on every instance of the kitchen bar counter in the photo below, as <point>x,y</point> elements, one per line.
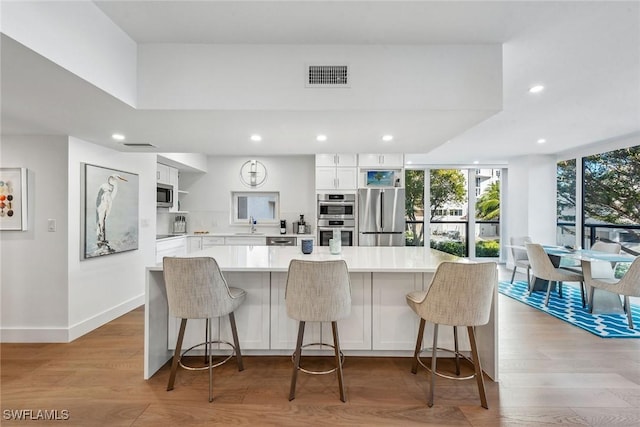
<point>381,323</point>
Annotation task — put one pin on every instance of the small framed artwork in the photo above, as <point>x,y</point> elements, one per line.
<point>13,199</point>
<point>110,220</point>
<point>380,178</point>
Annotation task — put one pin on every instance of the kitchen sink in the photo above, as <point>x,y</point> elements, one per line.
<point>248,234</point>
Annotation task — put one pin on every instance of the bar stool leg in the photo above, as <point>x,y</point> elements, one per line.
<point>176,355</point>
<point>296,361</point>
<point>455,343</point>
<point>336,345</point>
<point>513,275</point>
<point>206,338</point>
<point>627,307</point>
<point>208,347</point>
<point>478,367</point>
<point>414,367</point>
<point>236,342</point>
<point>433,365</point>
<point>546,300</point>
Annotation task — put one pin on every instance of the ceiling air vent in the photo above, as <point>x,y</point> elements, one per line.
<point>139,145</point>
<point>327,76</point>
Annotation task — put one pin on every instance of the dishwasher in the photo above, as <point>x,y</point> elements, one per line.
<point>281,241</point>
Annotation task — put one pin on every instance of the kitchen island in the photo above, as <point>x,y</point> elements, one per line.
<point>381,323</point>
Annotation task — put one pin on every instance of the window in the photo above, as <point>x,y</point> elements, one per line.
<point>264,207</point>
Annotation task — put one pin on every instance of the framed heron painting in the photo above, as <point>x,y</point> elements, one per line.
<point>110,220</point>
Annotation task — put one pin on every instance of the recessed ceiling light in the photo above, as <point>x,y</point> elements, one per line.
<point>387,138</point>
<point>409,162</point>
<point>256,138</point>
<point>541,141</point>
<point>321,138</point>
<point>475,162</point>
<point>118,137</point>
<point>536,89</point>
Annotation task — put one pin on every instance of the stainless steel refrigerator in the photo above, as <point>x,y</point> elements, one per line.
<point>381,217</point>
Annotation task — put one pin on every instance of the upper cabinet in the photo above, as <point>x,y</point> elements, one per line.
<point>168,175</point>
<point>393,160</point>
<point>163,174</point>
<point>337,160</point>
<point>336,172</point>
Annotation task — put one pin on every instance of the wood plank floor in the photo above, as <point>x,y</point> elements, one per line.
<point>551,373</point>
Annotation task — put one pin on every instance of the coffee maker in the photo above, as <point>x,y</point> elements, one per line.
<point>283,226</point>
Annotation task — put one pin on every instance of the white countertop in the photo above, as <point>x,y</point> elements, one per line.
<point>231,234</point>
<point>407,259</point>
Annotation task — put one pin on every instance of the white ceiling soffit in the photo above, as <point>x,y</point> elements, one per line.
<point>586,54</point>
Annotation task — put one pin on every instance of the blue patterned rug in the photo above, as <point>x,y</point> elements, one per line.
<point>569,308</point>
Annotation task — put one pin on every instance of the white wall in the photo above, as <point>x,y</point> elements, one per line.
<point>272,77</point>
<point>209,198</point>
<point>80,38</point>
<point>34,279</point>
<point>531,198</point>
<point>103,288</point>
<point>47,293</point>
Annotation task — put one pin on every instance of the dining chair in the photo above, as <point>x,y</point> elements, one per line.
<point>196,289</point>
<point>318,291</point>
<point>520,257</point>
<point>459,295</point>
<point>627,286</point>
<point>543,268</point>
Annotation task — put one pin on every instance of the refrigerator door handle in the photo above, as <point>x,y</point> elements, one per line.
<point>381,210</point>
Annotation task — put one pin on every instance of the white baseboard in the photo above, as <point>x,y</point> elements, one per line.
<point>34,335</point>
<point>88,325</point>
<point>64,335</point>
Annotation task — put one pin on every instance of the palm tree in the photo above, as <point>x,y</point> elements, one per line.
<point>488,204</point>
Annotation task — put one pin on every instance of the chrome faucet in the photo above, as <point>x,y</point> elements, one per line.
<point>253,225</point>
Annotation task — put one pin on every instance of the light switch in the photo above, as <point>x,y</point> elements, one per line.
<point>51,225</point>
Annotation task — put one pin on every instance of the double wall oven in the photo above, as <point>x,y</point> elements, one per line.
<point>337,211</point>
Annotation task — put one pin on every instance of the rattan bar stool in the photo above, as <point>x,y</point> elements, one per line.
<point>318,291</point>
<point>459,295</point>
<point>196,289</point>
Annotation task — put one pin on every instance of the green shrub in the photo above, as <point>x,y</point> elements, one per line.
<point>450,247</point>
<point>488,248</point>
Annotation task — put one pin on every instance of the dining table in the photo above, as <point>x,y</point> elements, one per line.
<point>602,266</point>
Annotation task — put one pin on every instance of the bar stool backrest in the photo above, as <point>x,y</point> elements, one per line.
<point>460,294</point>
<point>318,291</point>
<point>196,288</point>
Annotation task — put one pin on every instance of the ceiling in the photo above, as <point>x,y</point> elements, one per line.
<point>586,54</point>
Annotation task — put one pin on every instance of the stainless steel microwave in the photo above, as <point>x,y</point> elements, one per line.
<point>164,197</point>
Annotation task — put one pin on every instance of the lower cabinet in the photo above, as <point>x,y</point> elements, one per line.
<point>194,243</point>
<point>380,318</point>
<point>252,317</point>
<point>354,332</point>
<point>284,334</point>
<point>170,247</point>
<point>395,325</point>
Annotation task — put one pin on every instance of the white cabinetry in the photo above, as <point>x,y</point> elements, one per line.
<point>253,311</point>
<point>245,240</point>
<point>336,172</point>
<point>208,241</point>
<point>338,160</point>
<point>354,332</point>
<point>284,330</point>
<point>194,243</point>
<point>170,247</point>
<point>395,325</point>
<point>393,160</point>
<point>162,174</point>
